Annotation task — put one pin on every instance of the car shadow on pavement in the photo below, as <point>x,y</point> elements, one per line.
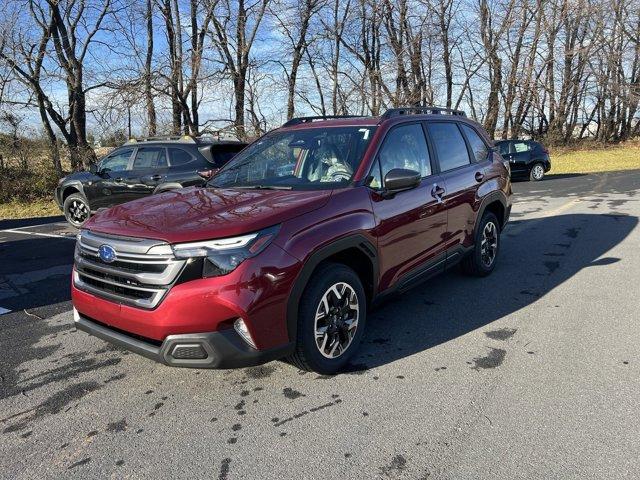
<point>35,272</point>
<point>29,222</point>
<point>537,256</point>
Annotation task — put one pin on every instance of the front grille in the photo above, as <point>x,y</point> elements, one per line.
<point>136,277</point>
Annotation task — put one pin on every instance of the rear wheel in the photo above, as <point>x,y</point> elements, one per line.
<point>331,319</point>
<point>537,172</point>
<point>76,209</point>
<point>482,260</point>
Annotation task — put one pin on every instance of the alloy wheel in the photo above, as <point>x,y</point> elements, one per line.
<point>537,172</point>
<point>78,211</point>
<point>336,320</point>
<point>489,244</point>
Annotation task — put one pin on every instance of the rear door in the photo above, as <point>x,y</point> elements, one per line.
<point>462,176</point>
<point>148,171</point>
<point>411,224</point>
<point>520,155</point>
<point>110,189</point>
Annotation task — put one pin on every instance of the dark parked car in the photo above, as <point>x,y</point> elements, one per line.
<point>293,241</point>
<point>139,168</point>
<point>527,158</point>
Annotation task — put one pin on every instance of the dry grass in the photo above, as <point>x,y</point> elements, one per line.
<point>37,208</point>
<point>596,158</point>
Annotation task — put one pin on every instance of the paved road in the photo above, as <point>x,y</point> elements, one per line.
<point>533,372</point>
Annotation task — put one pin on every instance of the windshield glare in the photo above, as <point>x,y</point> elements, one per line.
<point>313,158</point>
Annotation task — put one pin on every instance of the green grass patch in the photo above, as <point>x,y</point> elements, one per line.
<point>36,208</point>
<point>596,159</point>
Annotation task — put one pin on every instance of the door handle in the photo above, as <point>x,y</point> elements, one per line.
<point>156,177</point>
<point>118,179</point>
<point>437,192</point>
<point>479,176</point>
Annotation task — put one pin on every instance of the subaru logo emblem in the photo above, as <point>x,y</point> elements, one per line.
<point>106,253</point>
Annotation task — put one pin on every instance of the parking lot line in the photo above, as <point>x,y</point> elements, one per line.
<point>52,235</point>
<point>4,310</point>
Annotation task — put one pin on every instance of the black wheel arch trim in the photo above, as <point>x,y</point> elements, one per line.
<point>358,241</point>
<point>76,185</point>
<point>489,199</point>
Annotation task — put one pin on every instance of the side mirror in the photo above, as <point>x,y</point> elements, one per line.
<point>207,174</point>
<point>400,179</point>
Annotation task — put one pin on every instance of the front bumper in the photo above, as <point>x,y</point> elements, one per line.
<point>222,349</point>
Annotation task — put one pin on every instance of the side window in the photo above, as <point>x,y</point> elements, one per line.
<point>479,148</point>
<point>150,157</point>
<point>519,147</point>
<point>116,162</point>
<point>404,147</point>
<point>503,148</point>
<point>179,157</point>
<point>449,144</point>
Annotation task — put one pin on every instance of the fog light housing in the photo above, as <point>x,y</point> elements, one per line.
<point>241,328</point>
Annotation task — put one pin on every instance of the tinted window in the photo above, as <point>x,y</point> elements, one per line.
<point>116,162</point>
<point>449,144</point>
<point>503,147</point>
<point>404,147</point>
<point>179,157</point>
<point>480,150</point>
<point>150,157</point>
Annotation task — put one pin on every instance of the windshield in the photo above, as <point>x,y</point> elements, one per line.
<point>313,158</point>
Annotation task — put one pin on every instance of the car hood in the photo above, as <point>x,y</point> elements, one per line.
<point>194,214</point>
<point>79,177</point>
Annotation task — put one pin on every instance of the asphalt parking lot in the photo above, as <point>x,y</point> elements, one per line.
<point>533,372</point>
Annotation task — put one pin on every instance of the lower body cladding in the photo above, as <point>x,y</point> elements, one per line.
<point>223,349</point>
<point>230,321</point>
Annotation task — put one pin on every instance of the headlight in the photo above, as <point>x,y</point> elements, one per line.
<point>223,255</point>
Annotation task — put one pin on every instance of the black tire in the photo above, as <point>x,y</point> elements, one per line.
<point>307,354</point>
<point>475,263</point>
<point>536,173</point>
<point>76,209</point>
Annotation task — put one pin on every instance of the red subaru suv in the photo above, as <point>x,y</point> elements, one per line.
<point>289,245</point>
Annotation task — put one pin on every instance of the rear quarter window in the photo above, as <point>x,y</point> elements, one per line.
<point>180,158</point>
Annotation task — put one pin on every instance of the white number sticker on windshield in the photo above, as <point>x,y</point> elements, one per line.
<point>365,133</point>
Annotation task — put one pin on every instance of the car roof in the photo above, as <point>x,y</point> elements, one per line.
<point>390,117</point>
<point>182,141</point>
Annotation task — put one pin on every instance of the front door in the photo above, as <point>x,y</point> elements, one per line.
<point>149,170</point>
<point>411,224</point>
<point>110,189</point>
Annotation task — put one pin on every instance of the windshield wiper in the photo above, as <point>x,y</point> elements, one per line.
<point>262,187</point>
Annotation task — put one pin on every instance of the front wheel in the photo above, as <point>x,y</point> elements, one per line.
<point>537,172</point>
<point>482,260</point>
<point>331,320</point>
<point>76,209</point>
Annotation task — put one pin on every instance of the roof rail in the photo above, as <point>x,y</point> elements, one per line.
<point>429,110</point>
<point>299,120</point>
<point>164,138</point>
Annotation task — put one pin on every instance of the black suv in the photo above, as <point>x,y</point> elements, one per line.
<point>527,158</point>
<point>139,168</point>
